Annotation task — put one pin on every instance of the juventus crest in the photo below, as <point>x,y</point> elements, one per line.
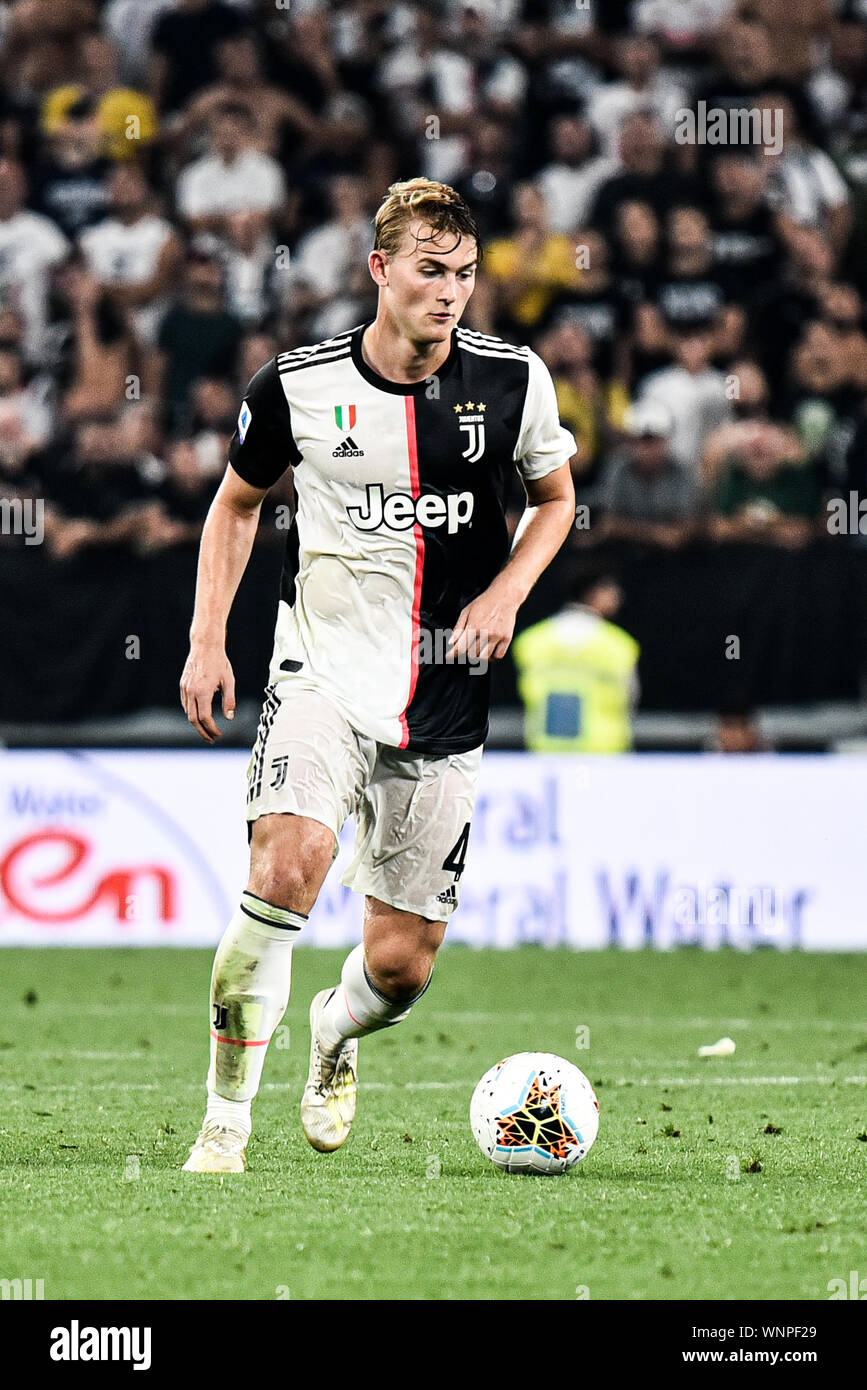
<point>474,427</point>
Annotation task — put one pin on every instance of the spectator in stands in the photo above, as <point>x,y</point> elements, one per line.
<point>185,494</point>
<point>747,63</point>
<point>688,291</point>
<point>130,24</point>
<point>577,673</point>
<point>345,144</point>
<point>821,398</point>
<point>105,358</point>
<point>635,253</point>
<point>805,187</point>
<point>253,265</point>
<point>747,246</point>
<point>26,418</point>
<point>488,177</point>
<point>647,174</point>
<point>576,172</point>
<point>750,402</point>
<point>31,248</point>
<point>800,28</point>
<point>763,495</point>
<point>125,118</point>
<point>685,28</point>
<point>183,45</point>
<point>452,76</point>
<point>647,497</point>
<point>233,177</point>
<point>592,407</point>
<point>328,283</point>
<point>644,87</point>
<point>139,439</point>
<point>214,412</point>
<point>71,183</point>
<point>257,348</point>
<point>198,336</point>
<point>693,392</point>
<point>792,302</point>
<point>595,305</point>
<point>424,75</point>
<point>274,113</point>
<point>135,254</point>
<point>529,267</point>
<point>40,41</point>
<point>94,497</point>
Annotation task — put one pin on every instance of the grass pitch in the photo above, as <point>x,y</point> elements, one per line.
<point>731,1177</point>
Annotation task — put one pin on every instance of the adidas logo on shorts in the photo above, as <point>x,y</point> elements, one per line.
<point>449,896</point>
<point>348,449</point>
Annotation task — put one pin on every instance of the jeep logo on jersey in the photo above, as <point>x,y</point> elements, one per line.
<point>400,511</point>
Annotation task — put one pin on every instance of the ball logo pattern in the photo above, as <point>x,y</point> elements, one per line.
<point>534,1113</point>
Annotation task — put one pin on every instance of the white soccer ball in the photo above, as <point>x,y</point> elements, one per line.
<point>534,1113</point>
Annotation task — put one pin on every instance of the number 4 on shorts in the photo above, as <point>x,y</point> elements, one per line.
<point>454,860</point>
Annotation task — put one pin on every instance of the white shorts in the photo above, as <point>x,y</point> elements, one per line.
<point>412,811</point>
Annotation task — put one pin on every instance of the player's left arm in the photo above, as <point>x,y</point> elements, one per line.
<point>485,626</point>
<point>544,453</point>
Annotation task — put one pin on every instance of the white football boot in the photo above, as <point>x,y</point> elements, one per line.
<point>218,1149</point>
<point>328,1103</point>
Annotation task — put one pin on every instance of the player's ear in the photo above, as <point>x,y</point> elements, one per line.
<point>378,265</point>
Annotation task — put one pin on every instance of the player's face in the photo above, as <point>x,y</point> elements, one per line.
<point>429,283</point>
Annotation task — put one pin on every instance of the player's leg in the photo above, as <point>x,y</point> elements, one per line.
<point>303,778</point>
<point>385,976</point>
<point>380,981</point>
<point>290,856</point>
<point>412,834</point>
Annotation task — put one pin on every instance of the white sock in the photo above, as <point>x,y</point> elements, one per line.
<point>250,986</point>
<point>356,1007</point>
<point>234,1113</point>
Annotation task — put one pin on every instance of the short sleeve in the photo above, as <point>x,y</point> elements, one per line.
<point>263,446</point>
<point>543,444</point>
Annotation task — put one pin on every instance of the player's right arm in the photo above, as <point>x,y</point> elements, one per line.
<point>261,450</point>
<point>227,539</point>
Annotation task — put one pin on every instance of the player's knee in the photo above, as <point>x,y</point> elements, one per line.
<point>291,885</point>
<point>397,975</point>
<point>288,862</point>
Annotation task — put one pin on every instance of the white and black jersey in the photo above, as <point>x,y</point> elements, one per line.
<point>400,522</point>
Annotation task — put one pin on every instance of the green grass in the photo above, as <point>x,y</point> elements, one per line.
<point>104,1055</point>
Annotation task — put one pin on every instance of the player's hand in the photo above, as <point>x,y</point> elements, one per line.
<point>207,670</point>
<point>484,628</point>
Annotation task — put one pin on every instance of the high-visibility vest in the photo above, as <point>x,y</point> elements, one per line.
<point>576,677</point>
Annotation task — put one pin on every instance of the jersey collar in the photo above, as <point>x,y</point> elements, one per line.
<point>396,388</point>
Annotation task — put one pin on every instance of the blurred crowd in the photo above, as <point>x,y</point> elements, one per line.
<point>187,187</point>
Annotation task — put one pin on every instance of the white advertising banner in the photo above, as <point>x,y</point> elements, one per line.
<point>150,849</point>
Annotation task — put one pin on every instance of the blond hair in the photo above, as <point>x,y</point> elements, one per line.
<point>437,205</point>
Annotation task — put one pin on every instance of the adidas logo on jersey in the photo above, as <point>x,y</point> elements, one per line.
<point>400,511</point>
<point>348,449</point>
<point>449,896</point>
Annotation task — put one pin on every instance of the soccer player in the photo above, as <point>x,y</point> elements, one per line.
<point>398,587</point>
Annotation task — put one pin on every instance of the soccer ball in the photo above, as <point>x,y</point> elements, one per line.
<point>534,1113</point>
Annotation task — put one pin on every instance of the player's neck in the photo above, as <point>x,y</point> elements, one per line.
<point>397,358</point>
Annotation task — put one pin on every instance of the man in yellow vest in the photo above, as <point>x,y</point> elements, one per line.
<point>577,674</point>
